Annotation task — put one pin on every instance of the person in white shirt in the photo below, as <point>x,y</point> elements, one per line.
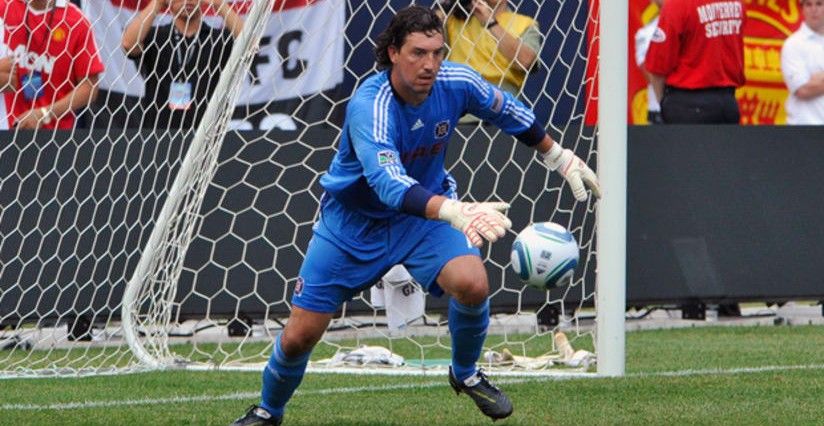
<point>643,37</point>
<point>802,64</point>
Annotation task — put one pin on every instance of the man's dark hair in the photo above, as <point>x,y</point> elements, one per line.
<point>413,19</point>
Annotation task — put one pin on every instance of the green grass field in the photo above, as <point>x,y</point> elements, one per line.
<point>716,375</point>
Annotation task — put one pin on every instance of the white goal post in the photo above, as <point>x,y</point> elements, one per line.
<point>612,171</point>
<point>157,248</point>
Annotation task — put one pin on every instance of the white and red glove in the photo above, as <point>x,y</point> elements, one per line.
<point>574,170</point>
<point>478,221</point>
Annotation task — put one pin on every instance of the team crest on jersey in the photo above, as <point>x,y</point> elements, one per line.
<point>659,36</point>
<point>441,129</point>
<point>386,158</point>
<point>299,286</point>
<point>59,35</point>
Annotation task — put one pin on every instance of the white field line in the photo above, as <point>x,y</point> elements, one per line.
<point>423,385</point>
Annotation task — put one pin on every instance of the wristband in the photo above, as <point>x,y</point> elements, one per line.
<point>415,199</point>
<point>47,115</point>
<point>552,158</point>
<point>533,135</point>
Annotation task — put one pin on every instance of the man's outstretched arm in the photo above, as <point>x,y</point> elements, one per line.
<point>574,170</point>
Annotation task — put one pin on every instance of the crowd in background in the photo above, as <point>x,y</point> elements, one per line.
<point>692,55</point>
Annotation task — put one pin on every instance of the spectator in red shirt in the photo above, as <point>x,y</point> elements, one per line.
<point>696,60</point>
<point>54,65</point>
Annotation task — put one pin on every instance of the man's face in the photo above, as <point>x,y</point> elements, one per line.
<point>813,11</point>
<point>184,8</point>
<point>417,62</point>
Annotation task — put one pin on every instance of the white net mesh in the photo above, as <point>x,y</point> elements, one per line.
<point>211,225</point>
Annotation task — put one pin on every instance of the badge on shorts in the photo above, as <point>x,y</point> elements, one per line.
<point>299,286</point>
<point>180,95</point>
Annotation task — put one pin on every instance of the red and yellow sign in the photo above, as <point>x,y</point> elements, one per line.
<point>769,23</point>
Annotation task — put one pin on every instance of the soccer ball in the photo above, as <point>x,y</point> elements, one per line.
<point>544,255</point>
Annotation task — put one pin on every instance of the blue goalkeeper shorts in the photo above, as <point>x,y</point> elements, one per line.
<point>337,267</point>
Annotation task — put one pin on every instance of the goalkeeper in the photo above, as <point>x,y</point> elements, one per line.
<point>389,200</point>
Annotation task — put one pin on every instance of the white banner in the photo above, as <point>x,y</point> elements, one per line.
<point>301,50</point>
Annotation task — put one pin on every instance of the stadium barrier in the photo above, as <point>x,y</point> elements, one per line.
<point>715,214</point>
<point>724,214</point>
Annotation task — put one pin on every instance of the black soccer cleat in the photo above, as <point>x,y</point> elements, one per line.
<point>257,416</point>
<point>489,399</point>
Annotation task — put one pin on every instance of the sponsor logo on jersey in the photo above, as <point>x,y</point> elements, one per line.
<point>386,158</point>
<point>423,152</point>
<point>659,36</point>
<point>33,61</point>
<point>418,124</point>
<point>441,129</point>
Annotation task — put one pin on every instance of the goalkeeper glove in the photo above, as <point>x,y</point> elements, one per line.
<point>574,170</point>
<point>478,221</point>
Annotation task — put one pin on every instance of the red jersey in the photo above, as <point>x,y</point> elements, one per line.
<point>699,44</point>
<point>53,50</point>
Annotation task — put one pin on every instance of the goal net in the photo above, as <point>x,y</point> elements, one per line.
<point>140,240</point>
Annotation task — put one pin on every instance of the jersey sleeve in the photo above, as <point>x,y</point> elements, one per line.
<point>372,133</point>
<point>86,61</point>
<point>491,103</point>
<point>665,45</point>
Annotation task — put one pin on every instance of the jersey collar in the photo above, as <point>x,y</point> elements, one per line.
<point>809,33</point>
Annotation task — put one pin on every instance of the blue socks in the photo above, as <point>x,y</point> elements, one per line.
<point>467,326</point>
<point>281,377</point>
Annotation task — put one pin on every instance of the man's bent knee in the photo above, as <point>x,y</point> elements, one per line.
<point>464,278</point>
<point>303,330</point>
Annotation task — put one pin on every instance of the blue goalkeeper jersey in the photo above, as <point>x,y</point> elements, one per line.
<point>387,145</point>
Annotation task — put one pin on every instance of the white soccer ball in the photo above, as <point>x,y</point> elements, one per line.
<point>544,255</point>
